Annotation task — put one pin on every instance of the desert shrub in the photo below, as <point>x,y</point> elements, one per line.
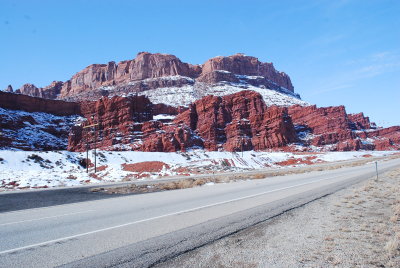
<point>36,158</point>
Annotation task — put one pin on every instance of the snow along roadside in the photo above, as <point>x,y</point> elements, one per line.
<point>32,169</point>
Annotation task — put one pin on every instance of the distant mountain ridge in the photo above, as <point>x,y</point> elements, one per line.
<point>163,71</point>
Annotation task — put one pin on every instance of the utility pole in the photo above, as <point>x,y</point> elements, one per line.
<point>95,153</point>
<point>242,146</point>
<point>87,146</point>
<point>376,168</point>
<point>87,151</point>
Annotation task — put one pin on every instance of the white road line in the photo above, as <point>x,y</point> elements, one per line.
<point>162,216</point>
<point>49,217</point>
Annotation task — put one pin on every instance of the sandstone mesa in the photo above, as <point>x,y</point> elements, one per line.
<point>227,104</point>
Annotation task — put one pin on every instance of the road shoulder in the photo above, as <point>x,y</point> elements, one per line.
<point>355,227</point>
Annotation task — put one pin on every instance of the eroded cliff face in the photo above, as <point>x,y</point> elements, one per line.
<point>333,128</point>
<point>235,122</point>
<point>360,122</point>
<point>144,66</point>
<point>240,121</point>
<point>29,123</point>
<point>32,104</point>
<point>52,91</point>
<point>149,71</point>
<point>126,123</point>
<point>242,65</point>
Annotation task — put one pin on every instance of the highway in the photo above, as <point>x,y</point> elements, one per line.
<point>142,230</point>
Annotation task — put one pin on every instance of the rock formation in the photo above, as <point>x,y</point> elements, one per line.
<point>30,123</point>
<point>126,124</point>
<point>241,64</point>
<point>52,91</point>
<point>9,89</point>
<point>149,71</point>
<point>239,121</point>
<point>333,127</point>
<point>235,122</point>
<point>360,122</point>
<point>32,104</point>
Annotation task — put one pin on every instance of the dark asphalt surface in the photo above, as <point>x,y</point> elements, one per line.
<point>44,198</point>
<point>155,251</point>
<point>161,241</point>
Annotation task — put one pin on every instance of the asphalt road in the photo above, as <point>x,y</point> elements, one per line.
<point>142,230</point>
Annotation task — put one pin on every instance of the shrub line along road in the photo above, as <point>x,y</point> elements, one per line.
<point>142,230</point>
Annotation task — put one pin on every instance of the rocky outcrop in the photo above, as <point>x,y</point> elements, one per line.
<point>32,104</point>
<point>359,122</point>
<point>161,108</point>
<point>382,138</point>
<point>120,123</point>
<point>321,120</point>
<point>52,91</point>
<point>241,64</point>
<point>235,122</point>
<point>151,71</point>
<point>333,127</point>
<point>327,126</point>
<point>238,121</point>
<point>9,89</point>
<point>112,120</point>
<point>30,123</point>
<point>29,89</point>
<point>144,66</point>
<point>158,137</point>
<point>216,76</point>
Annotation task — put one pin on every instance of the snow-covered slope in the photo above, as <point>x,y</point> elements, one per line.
<point>31,131</point>
<point>192,90</point>
<point>183,96</point>
<point>32,169</point>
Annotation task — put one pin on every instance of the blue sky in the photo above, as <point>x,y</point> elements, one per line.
<point>336,52</point>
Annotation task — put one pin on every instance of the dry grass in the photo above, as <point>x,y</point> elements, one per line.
<point>393,246</point>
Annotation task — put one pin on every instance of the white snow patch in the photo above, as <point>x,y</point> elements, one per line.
<point>30,169</point>
<point>185,95</point>
<point>164,117</point>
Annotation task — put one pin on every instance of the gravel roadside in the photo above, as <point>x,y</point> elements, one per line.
<point>355,227</point>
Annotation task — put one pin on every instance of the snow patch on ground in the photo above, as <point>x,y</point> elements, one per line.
<point>36,130</point>
<point>186,94</point>
<point>164,117</point>
<point>32,169</point>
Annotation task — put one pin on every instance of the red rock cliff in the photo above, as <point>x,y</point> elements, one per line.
<point>245,65</point>
<point>90,81</point>
<point>238,121</point>
<point>341,131</point>
<point>31,104</point>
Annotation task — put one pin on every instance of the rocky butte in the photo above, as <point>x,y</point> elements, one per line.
<point>157,103</point>
<point>148,72</point>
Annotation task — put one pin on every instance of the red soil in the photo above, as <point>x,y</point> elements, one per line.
<point>149,166</point>
<point>298,161</point>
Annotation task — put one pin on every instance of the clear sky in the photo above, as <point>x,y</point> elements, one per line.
<point>336,52</point>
